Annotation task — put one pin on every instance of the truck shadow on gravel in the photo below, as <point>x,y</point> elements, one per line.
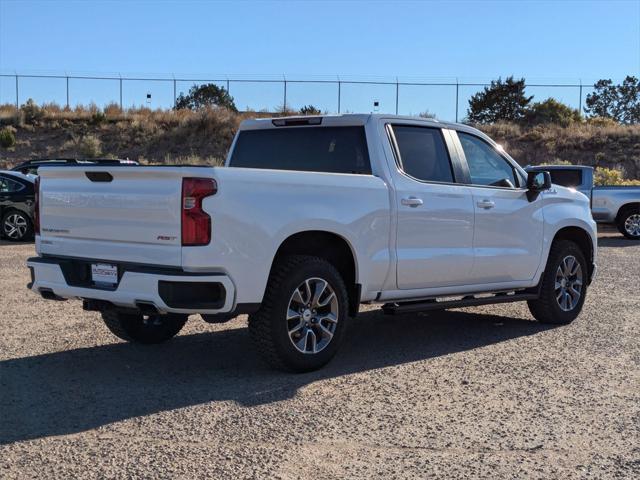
<point>76,390</point>
<point>617,242</point>
<point>11,243</point>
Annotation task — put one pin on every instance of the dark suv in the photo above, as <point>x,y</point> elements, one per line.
<point>17,197</point>
<point>31,166</point>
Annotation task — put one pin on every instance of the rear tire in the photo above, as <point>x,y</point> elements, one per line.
<point>302,319</point>
<point>145,329</point>
<point>629,222</point>
<point>564,285</point>
<point>17,226</point>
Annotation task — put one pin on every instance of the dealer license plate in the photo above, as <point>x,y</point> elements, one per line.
<point>104,274</point>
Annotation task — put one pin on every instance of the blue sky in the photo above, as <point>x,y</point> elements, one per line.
<point>544,41</point>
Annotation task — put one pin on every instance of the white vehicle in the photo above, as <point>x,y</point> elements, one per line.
<point>309,218</point>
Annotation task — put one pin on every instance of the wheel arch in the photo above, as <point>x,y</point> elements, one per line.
<point>583,239</point>
<point>625,207</point>
<point>15,208</point>
<point>333,248</point>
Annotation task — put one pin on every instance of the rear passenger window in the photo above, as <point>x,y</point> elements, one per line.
<point>9,186</point>
<point>566,178</point>
<point>309,149</point>
<point>423,153</point>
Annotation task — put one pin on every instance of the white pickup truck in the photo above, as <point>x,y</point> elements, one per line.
<point>309,218</point>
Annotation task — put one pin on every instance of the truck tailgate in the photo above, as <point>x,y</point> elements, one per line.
<point>128,213</point>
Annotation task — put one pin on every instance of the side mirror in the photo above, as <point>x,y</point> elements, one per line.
<point>537,181</point>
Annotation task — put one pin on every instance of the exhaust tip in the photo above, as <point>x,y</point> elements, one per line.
<point>147,308</point>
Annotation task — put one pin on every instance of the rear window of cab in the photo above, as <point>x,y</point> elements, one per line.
<point>308,149</point>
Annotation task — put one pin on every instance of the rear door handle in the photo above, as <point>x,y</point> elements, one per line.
<point>411,201</point>
<point>486,204</point>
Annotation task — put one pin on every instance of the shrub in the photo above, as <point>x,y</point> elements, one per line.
<point>90,146</point>
<point>8,137</point>
<point>98,117</point>
<point>611,176</point>
<point>112,110</point>
<point>427,114</point>
<point>309,110</point>
<point>551,111</point>
<point>31,112</point>
<point>283,111</point>
<point>601,122</point>
<point>557,161</point>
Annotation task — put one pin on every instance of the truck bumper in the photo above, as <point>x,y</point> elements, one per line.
<point>165,290</point>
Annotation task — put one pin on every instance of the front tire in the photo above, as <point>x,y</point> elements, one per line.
<point>303,316</point>
<point>145,329</point>
<point>17,226</point>
<point>564,285</point>
<point>629,223</point>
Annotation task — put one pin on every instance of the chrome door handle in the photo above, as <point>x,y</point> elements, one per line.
<point>486,204</point>
<point>411,201</point>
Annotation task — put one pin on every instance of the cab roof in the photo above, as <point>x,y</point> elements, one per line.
<point>341,120</point>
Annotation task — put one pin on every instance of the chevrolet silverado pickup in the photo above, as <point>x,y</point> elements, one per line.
<point>613,204</point>
<point>309,218</point>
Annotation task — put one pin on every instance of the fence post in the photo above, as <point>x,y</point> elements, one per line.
<point>284,104</point>
<point>17,98</point>
<point>397,93</point>
<point>175,98</point>
<point>457,94</point>
<point>339,85</point>
<point>580,100</point>
<point>67,92</point>
<point>121,94</point>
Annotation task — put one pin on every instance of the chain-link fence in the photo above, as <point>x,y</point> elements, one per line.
<point>444,98</point>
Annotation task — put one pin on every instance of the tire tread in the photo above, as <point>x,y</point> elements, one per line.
<point>544,308</point>
<point>259,322</point>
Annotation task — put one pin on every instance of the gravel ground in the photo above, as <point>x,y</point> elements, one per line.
<point>482,392</point>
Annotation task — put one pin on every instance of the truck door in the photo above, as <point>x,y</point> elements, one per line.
<point>508,226</point>
<point>435,216</point>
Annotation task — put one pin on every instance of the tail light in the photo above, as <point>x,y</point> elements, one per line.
<point>36,209</point>
<point>196,224</point>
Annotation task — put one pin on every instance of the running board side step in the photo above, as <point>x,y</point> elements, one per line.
<point>468,301</point>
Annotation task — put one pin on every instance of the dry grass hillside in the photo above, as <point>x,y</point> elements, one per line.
<point>596,144</point>
<point>159,136</point>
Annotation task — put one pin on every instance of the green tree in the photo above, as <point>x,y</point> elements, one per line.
<point>619,102</point>
<point>309,110</point>
<point>502,100</point>
<point>551,111</point>
<point>207,95</point>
